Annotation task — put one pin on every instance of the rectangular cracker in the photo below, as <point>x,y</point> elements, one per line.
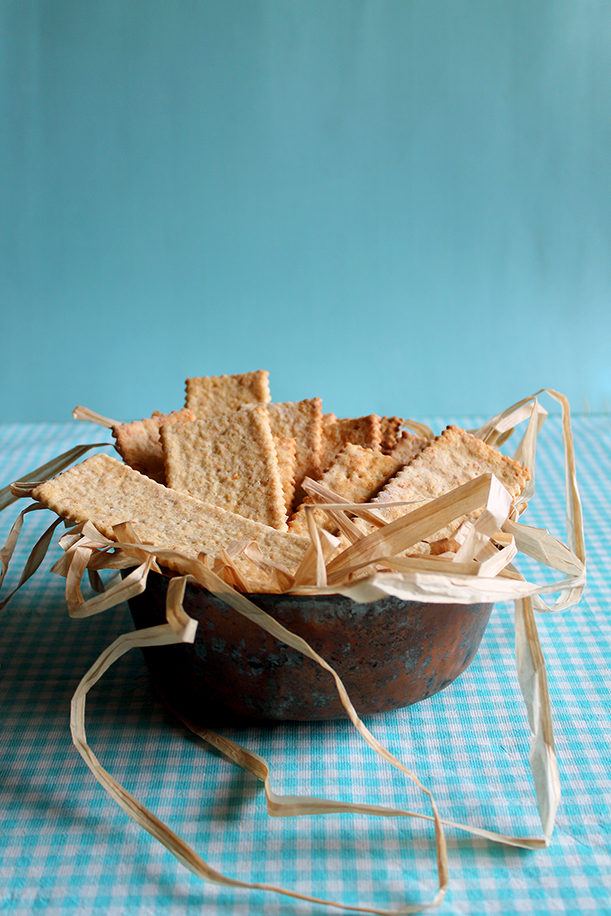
<point>449,460</point>
<point>302,421</point>
<point>363,431</point>
<point>389,430</point>
<point>229,461</point>
<point>407,446</point>
<point>286,449</point>
<point>212,396</point>
<point>107,492</point>
<point>356,474</point>
<point>139,443</point>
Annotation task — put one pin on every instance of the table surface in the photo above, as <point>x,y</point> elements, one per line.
<point>65,846</point>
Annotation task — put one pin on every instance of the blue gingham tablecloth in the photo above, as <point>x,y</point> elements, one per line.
<point>65,846</point>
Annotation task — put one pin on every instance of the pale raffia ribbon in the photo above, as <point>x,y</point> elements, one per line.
<point>480,571</point>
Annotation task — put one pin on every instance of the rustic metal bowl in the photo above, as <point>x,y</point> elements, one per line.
<point>389,654</point>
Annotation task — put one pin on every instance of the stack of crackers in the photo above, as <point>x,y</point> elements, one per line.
<point>229,472</point>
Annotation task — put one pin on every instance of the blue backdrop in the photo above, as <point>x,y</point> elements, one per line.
<point>398,205</point>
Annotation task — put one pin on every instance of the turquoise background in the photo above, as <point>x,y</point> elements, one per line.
<point>400,206</point>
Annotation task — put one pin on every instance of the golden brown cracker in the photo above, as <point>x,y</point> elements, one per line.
<point>300,420</point>
<point>448,461</point>
<point>408,446</point>
<point>286,448</point>
<point>107,493</point>
<point>389,430</point>
<point>455,457</point>
<point>139,442</point>
<point>363,431</point>
<point>356,474</point>
<point>229,461</point>
<point>213,396</point>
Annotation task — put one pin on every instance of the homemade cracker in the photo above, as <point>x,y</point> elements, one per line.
<point>139,442</point>
<point>302,421</point>
<point>286,449</point>
<point>212,396</point>
<point>449,460</point>
<point>389,430</point>
<point>229,461</point>
<point>107,492</point>
<point>364,431</point>
<point>407,446</point>
<point>356,474</point>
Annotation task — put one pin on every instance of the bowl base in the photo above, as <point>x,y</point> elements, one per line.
<point>389,654</point>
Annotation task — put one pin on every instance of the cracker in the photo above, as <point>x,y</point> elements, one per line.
<point>139,442</point>
<point>356,474</point>
<point>107,492</point>
<point>363,431</point>
<point>448,461</point>
<point>230,462</point>
<point>389,430</point>
<point>302,421</point>
<point>408,446</point>
<point>212,396</point>
<point>286,448</point>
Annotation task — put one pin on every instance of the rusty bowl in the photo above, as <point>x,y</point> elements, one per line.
<point>389,654</point>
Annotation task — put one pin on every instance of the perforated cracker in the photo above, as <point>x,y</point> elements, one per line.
<point>389,430</point>
<point>356,474</point>
<point>212,396</point>
<point>229,461</point>
<point>302,421</point>
<point>285,450</point>
<point>139,442</point>
<point>408,446</point>
<point>363,431</point>
<point>107,493</point>
<point>449,460</point>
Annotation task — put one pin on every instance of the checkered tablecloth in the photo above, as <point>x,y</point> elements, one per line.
<point>65,847</point>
